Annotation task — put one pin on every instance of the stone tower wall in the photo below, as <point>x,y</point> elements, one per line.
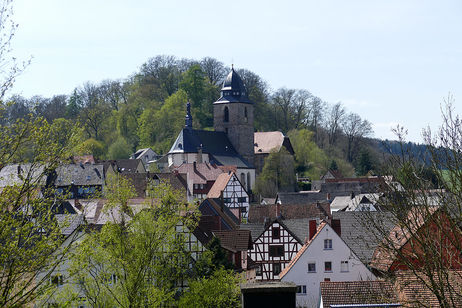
<point>239,128</point>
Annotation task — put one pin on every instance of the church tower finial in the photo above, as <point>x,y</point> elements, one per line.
<point>188,117</point>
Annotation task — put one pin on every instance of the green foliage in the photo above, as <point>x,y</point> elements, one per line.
<point>219,290</point>
<point>120,149</point>
<point>277,175</point>
<point>90,146</point>
<point>333,165</point>
<point>365,163</point>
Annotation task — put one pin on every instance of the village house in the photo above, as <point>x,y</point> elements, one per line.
<point>324,257</point>
<point>267,142</point>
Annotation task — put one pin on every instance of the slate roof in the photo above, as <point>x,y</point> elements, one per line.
<point>69,222</point>
<point>258,213</point>
<point>350,204</point>
<point>357,293</point>
<point>256,229</point>
<point>140,181</point>
<point>214,143</point>
<point>306,197</point>
<point>79,174</point>
<point>356,231</point>
<point>299,227</point>
<point>123,165</point>
<point>234,240</point>
<point>11,174</point>
<point>220,185</point>
<point>233,90</point>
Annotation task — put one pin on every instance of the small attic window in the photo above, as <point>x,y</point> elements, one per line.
<point>88,177</point>
<point>180,146</point>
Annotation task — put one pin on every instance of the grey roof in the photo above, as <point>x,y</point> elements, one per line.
<point>233,90</point>
<point>15,173</point>
<point>123,165</point>
<point>214,143</point>
<point>357,231</point>
<point>256,229</point>
<point>288,198</point>
<point>69,222</point>
<point>79,174</point>
<point>350,204</point>
<point>299,227</point>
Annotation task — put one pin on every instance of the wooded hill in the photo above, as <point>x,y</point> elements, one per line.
<point>116,117</point>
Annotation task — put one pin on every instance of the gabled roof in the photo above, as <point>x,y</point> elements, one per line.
<point>69,222</point>
<point>306,197</point>
<point>142,152</point>
<point>220,184</point>
<point>356,231</point>
<point>140,181</point>
<point>123,165</point>
<point>256,229</point>
<point>350,204</point>
<point>14,174</point>
<point>234,240</point>
<point>357,293</point>
<point>79,174</point>
<point>302,250</point>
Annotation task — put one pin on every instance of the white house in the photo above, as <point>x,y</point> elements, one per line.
<point>325,257</point>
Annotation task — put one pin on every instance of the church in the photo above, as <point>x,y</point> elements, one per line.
<point>232,141</point>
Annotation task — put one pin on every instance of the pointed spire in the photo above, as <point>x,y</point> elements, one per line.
<point>188,117</point>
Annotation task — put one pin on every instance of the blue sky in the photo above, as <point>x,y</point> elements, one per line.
<point>392,62</point>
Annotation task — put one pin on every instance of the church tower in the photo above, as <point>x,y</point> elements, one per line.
<point>233,114</point>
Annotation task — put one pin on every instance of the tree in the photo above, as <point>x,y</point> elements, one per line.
<point>426,243</point>
<point>220,290</point>
<point>30,234</point>
<point>333,123</point>
<point>355,129</point>
<point>120,149</point>
<point>214,70</point>
<point>277,174</point>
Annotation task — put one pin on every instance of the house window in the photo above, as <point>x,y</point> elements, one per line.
<point>344,266</point>
<point>241,199</point>
<point>301,290</point>
<point>258,271</point>
<point>276,268</point>
<point>327,244</point>
<point>276,250</point>
<point>276,233</point>
<point>312,267</point>
<point>226,114</point>
<point>227,200</point>
<point>57,280</point>
<point>328,266</point>
<point>245,115</point>
<point>201,186</point>
<point>326,279</point>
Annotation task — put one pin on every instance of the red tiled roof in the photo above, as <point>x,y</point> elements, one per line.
<point>219,185</point>
<point>302,250</point>
<point>264,142</point>
<point>385,254</point>
<point>357,293</point>
<point>202,172</point>
<point>414,293</point>
<point>234,240</point>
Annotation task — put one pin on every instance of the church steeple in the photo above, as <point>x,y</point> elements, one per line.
<point>233,89</point>
<point>188,117</point>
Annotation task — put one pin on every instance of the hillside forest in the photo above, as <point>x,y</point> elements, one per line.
<point>116,117</point>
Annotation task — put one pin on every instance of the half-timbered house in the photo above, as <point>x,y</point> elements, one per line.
<point>228,187</point>
<point>275,245</point>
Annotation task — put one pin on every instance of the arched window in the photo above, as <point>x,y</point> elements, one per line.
<point>226,114</point>
<point>245,114</point>
<point>248,182</point>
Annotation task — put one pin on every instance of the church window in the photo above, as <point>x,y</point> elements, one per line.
<point>226,114</point>
<point>245,114</point>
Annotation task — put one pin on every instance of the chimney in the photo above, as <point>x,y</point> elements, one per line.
<point>313,228</point>
<point>337,226</point>
<point>199,155</point>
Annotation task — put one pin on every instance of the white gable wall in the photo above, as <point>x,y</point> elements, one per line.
<point>235,197</point>
<point>315,253</point>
